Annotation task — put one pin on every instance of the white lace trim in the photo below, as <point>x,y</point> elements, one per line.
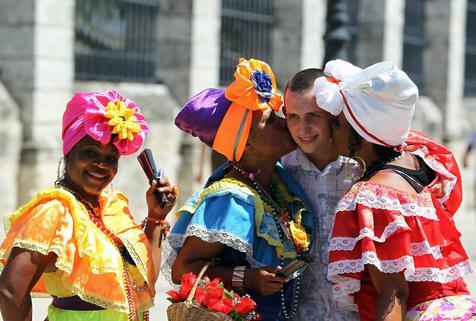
<point>342,291</point>
<point>344,286</point>
<point>368,198</point>
<point>386,266</point>
<point>348,243</point>
<point>175,240</point>
<point>222,236</point>
<point>417,249</point>
<point>168,256</point>
<point>441,276</point>
<point>423,248</point>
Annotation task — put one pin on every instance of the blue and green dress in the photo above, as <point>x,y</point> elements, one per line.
<point>234,214</point>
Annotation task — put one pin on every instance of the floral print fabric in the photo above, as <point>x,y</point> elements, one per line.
<point>459,307</point>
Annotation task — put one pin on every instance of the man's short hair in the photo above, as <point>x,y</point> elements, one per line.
<point>303,80</point>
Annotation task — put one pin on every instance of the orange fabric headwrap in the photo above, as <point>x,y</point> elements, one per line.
<point>254,88</point>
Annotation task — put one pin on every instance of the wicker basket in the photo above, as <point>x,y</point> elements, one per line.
<point>188,310</point>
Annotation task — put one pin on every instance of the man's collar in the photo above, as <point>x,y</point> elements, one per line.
<point>299,158</point>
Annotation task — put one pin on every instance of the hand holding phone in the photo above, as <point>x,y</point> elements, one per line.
<point>146,160</point>
<point>296,265</point>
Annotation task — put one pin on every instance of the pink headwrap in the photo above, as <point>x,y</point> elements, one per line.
<point>102,116</point>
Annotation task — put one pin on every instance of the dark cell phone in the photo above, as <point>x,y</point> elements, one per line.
<point>298,264</point>
<point>146,161</point>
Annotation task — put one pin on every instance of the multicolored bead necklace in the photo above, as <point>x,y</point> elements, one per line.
<point>264,195</point>
<point>133,313</point>
<point>278,214</point>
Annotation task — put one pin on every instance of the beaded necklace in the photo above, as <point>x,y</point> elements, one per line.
<point>133,314</point>
<point>278,214</point>
<point>280,209</point>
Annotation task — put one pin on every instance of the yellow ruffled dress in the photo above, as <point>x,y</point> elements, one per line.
<point>89,264</point>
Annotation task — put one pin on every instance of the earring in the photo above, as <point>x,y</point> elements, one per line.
<point>346,166</point>
<point>362,165</point>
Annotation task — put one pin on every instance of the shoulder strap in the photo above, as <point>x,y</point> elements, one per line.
<point>413,182</point>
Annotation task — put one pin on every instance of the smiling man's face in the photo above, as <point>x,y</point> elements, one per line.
<point>309,125</point>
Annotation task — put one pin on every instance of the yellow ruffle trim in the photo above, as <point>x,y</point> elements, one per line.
<point>89,264</point>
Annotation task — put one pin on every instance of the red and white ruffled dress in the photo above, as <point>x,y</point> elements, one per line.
<point>399,231</point>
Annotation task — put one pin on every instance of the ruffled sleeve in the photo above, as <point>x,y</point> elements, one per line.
<point>447,186</point>
<point>233,214</point>
<point>118,218</point>
<point>43,225</point>
<point>55,222</point>
<point>223,212</point>
<point>394,231</point>
<point>47,228</point>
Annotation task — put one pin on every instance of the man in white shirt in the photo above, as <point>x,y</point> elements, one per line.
<point>324,177</point>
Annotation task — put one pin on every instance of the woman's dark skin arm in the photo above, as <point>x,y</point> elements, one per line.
<point>21,272</point>
<point>392,291</point>
<point>195,253</point>
<point>152,231</point>
<point>391,287</point>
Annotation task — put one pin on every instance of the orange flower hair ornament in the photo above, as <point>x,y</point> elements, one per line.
<point>222,118</point>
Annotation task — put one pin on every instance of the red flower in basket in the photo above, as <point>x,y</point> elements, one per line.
<point>213,296</point>
<point>174,296</point>
<point>224,306</point>
<point>187,281</point>
<point>245,305</point>
<point>200,295</point>
<point>186,284</point>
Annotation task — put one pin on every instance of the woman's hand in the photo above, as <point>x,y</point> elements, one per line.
<point>153,204</point>
<point>263,280</point>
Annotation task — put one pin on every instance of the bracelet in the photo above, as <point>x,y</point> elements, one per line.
<point>238,277</point>
<point>163,224</point>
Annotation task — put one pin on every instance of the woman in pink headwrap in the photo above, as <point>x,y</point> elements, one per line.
<point>78,242</point>
<point>394,253</point>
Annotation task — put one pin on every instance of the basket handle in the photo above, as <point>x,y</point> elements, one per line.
<point>199,277</point>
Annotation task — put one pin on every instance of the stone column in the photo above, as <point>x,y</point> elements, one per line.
<point>313,30</point>
<point>287,40</point>
<point>175,46</point>
<point>297,37</point>
<point>205,45</point>
<point>189,61</point>
<point>444,61</point>
<point>204,73</point>
<point>10,140</point>
<point>380,31</point>
<point>393,31</point>
<point>36,59</point>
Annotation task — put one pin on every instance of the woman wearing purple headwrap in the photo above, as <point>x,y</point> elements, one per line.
<point>251,214</point>
<point>78,242</point>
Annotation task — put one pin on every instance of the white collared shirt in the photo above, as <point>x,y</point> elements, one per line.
<point>323,190</point>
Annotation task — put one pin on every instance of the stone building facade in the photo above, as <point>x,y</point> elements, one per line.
<point>37,76</point>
